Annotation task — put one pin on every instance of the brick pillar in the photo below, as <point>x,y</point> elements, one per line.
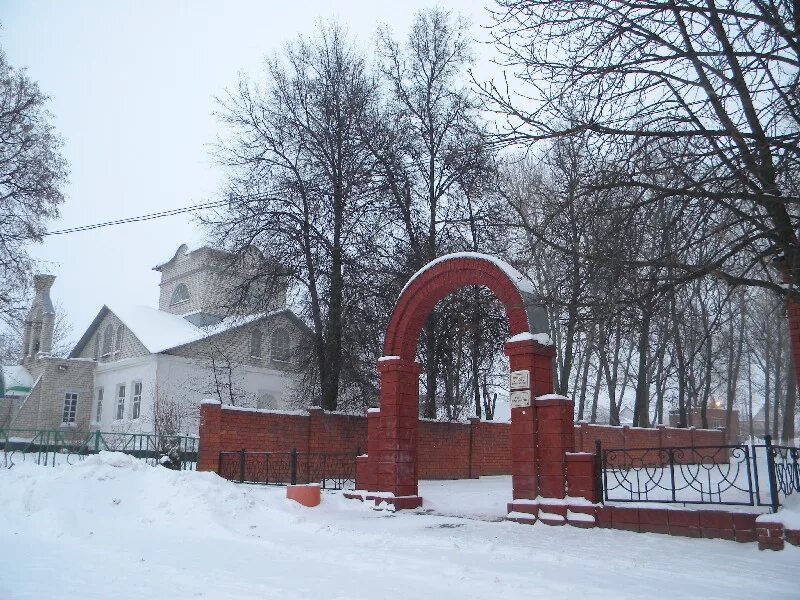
<point>581,481</point>
<point>537,359</point>
<point>210,435</point>
<point>556,437</point>
<point>399,419</point>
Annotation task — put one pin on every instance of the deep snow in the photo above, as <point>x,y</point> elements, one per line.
<point>114,527</point>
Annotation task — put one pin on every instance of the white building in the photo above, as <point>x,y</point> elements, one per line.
<point>137,366</point>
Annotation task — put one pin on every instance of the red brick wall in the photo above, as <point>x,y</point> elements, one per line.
<point>445,450</point>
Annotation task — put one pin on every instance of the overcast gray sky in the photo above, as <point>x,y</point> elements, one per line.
<point>132,88</point>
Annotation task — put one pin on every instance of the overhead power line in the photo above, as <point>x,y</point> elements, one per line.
<point>148,217</point>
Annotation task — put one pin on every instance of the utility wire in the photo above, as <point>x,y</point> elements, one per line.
<point>148,217</point>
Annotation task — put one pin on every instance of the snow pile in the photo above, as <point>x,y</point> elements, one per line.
<point>114,527</point>
<point>789,513</point>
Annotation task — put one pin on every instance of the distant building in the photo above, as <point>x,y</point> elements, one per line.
<point>135,362</point>
<point>715,417</point>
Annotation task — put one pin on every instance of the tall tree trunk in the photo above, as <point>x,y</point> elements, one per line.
<point>641,408</point>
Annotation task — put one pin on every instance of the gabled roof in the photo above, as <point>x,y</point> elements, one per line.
<point>159,331</point>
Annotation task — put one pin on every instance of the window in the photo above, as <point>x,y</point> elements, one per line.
<point>181,294</point>
<point>120,402</point>
<point>108,340</point>
<point>137,399</point>
<point>120,330</point>
<point>280,345</point>
<point>98,411</point>
<point>97,347</point>
<point>70,408</point>
<point>255,343</point>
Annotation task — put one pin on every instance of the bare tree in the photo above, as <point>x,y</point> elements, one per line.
<point>32,176</point>
<point>301,181</point>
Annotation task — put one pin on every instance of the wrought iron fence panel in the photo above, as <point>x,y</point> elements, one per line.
<point>688,475</point>
<point>52,447</point>
<point>331,470</point>
<point>787,469</point>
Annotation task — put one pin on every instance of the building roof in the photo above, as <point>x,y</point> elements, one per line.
<point>159,331</point>
<point>15,380</point>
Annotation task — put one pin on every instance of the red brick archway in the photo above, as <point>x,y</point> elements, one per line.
<point>538,423</point>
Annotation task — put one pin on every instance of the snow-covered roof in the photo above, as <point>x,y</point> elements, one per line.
<point>159,330</point>
<point>522,282</point>
<point>15,380</point>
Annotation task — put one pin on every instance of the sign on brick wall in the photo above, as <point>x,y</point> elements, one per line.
<point>520,398</point>
<point>520,380</point>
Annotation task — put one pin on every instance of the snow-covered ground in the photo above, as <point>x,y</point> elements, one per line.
<point>114,527</point>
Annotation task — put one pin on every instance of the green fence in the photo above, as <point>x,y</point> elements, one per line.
<point>51,447</point>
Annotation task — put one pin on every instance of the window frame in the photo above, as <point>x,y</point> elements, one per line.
<point>256,334</point>
<point>118,338</point>
<point>285,358</point>
<point>119,407</point>
<point>98,408</point>
<point>136,400</point>
<point>108,341</point>
<point>173,301</point>
<point>66,419</point>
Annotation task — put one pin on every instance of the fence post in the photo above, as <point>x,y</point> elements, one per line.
<point>773,484</point>
<point>241,465</point>
<point>97,441</point>
<point>598,469</point>
<point>671,457</point>
<point>293,468</point>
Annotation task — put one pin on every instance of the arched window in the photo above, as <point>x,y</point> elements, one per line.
<point>255,343</point>
<point>108,340</point>
<point>120,330</point>
<point>280,344</point>
<point>181,294</point>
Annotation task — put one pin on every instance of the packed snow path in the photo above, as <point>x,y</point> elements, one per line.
<point>113,527</point>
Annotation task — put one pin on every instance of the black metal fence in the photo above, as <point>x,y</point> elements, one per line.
<point>334,471</point>
<point>736,474</point>
<point>51,447</point>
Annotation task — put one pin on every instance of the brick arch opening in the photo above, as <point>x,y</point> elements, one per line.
<point>389,469</point>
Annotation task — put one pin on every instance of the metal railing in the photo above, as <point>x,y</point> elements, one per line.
<point>335,471</point>
<point>736,474</point>
<point>51,447</point>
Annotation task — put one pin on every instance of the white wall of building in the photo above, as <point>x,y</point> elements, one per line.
<point>109,377</point>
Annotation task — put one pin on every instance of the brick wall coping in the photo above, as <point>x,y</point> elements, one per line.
<point>655,428</point>
<point>265,410</point>
<point>209,401</point>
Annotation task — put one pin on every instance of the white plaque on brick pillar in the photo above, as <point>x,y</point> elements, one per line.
<point>520,380</point>
<point>520,398</point>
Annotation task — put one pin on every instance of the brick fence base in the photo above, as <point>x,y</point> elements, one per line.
<point>709,524</point>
